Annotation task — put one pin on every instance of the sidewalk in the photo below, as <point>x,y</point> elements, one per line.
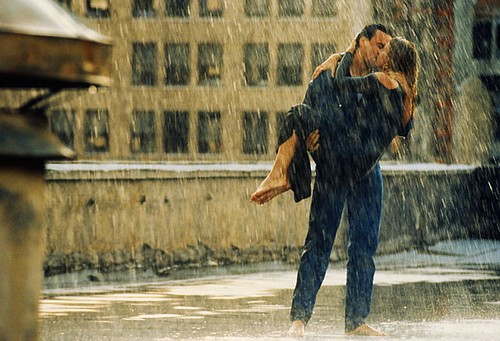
<point>451,292</point>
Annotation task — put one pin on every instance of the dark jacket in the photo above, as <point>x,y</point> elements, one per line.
<point>357,118</point>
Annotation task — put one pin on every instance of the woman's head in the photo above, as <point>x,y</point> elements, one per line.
<point>400,59</point>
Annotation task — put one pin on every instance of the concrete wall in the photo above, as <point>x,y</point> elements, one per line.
<point>111,216</point>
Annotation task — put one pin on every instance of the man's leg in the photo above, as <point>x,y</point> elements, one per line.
<point>326,212</point>
<point>364,214</point>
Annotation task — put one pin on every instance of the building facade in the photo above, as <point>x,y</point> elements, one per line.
<point>458,120</point>
<point>210,80</point>
<point>201,80</point>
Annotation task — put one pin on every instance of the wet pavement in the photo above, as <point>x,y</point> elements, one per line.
<point>449,292</point>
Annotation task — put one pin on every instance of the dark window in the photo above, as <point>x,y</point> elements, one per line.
<point>176,132</point>
<point>255,137</point>
<point>177,64</point>
<point>482,40</point>
<point>280,119</point>
<point>257,8</point>
<point>178,8</point>
<point>209,64</point>
<point>290,57</point>
<point>211,8</point>
<point>256,64</point>
<point>498,39</point>
<point>319,53</point>
<point>143,9</point>
<point>291,8</point>
<point>62,124</point>
<point>324,8</point>
<point>65,3</point>
<point>98,8</point>
<point>144,64</point>
<point>496,119</point>
<point>143,131</point>
<point>209,132</point>
<point>96,131</point>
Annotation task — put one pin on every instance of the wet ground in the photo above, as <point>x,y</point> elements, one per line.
<point>449,292</point>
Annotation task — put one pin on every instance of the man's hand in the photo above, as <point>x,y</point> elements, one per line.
<point>329,64</point>
<point>312,141</point>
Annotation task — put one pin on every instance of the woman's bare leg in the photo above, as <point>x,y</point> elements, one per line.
<point>277,181</point>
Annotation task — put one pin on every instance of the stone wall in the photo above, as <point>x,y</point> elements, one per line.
<point>116,216</point>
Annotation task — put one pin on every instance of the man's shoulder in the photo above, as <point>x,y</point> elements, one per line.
<point>323,80</point>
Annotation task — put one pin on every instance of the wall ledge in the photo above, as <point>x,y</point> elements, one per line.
<point>162,170</point>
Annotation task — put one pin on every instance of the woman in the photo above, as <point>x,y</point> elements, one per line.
<point>356,140</point>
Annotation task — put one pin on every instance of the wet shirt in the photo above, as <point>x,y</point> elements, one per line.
<point>360,117</point>
<point>372,113</point>
<point>357,118</point>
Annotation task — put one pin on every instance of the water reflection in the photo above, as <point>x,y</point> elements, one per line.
<point>435,299</point>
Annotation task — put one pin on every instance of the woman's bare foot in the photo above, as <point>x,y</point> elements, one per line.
<point>270,188</point>
<point>277,181</point>
<point>297,329</point>
<point>366,330</point>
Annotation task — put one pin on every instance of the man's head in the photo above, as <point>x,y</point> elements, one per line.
<point>370,41</point>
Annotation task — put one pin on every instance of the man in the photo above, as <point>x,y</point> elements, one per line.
<point>363,196</point>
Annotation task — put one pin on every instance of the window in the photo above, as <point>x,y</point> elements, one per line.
<point>177,64</point>
<point>143,9</point>
<point>482,40</point>
<point>290,58</point>
<point>98,8</point>
<point>291,8</point>
<point>257,8</point>
<point>498,39</point>
<point>255,138</point>
<point>497,119</point>
<point>209,132</point>
<point>62,123</point>
<point>176,132</point>
<point>324,8</point>
<point>256,64</point>
<point>280,119</point>
<point>144,64</point>
<point>319,53</point>
<point>178,8</point>
<point>211,8</point>
<point>143,131</point>
<point>65,3</point>
<point>96,131</point>
<point>209,64</point>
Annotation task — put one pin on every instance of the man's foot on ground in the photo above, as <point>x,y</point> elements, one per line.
<point>297,329</point>
<point>366,330</point>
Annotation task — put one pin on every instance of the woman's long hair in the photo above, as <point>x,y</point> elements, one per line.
<point>402,65</point>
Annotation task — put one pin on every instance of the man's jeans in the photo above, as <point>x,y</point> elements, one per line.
<point>364,208</point>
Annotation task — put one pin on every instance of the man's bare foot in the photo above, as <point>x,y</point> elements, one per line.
<point>268,189</point>
<point>297,329</point>
<point>366,330</point>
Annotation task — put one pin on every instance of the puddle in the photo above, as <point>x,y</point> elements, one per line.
<point>433,300</point>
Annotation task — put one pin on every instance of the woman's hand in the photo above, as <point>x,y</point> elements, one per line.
<point>312,141</point>
<point>352,46</point>
<point>329,64</point>
<point>396,145</point>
